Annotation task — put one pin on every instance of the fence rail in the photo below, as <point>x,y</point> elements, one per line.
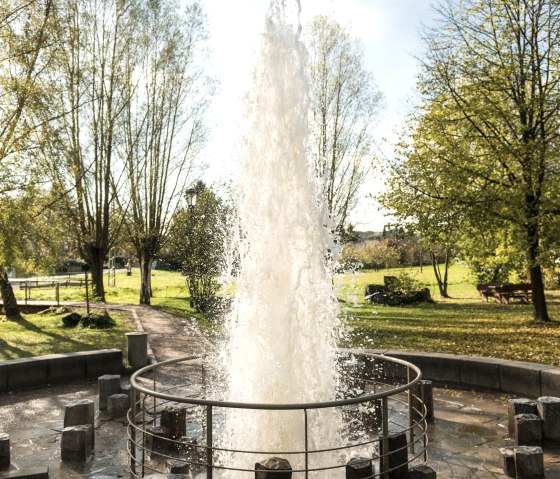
<point>389,415</point>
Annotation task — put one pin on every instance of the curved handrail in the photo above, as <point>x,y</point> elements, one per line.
<point>274,406</point>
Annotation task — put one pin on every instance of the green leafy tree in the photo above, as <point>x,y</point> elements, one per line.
<point>489,121</point>
<point>196,242</point>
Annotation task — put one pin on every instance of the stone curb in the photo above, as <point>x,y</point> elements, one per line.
<point>40,371</point>
<point>526,379</point>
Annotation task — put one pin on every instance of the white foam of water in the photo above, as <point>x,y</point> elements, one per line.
<point>285,312</point>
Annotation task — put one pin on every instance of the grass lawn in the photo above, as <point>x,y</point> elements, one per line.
<point>462,324</point>
<point>37,334</point>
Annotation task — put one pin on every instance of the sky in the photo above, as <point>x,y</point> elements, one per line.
<point>389,31</point>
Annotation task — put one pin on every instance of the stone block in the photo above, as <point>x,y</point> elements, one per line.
<point>550,382</point>
<point>507,461</point>
<point>397,455</point>
<point>27,372</point>
<point>117,405</point>
<point>519,406</point>
<point>549,411</point>
<point>178,467</point>
<point>103,361</point>
<point>529,462</point>
<point>137,354</point>
<point>427,395</point>
<point>27,473</point>
<point>359,468</point>
<point>75,443</point>
<point>66,367</point>
<point>421,471</point>
<point>81,411</point>
<point>269,468</point>
<point>174,418</point>
<point>157,441</point>
<point>3,377</point>
<point>5,459</point>
<point>480,373</point>
<point>522,378</point>
<point>108,384</point>
<point>528,430</point>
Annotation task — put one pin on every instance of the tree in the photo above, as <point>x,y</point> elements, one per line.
<point>490,118</point>
<point>23,37</point>
<point>98,40</point>
<point>345,103</point>
<point>196,242</point>
<point>164,125</point>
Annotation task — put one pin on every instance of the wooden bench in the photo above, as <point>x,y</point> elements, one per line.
<point>504,292</point>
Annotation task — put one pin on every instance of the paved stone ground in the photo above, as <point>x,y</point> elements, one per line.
<point>465,437</point>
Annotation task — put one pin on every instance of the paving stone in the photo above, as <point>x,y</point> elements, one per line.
<point>81,411</point>
<point>75,443</point>
<point>529,462</point>
<point>117,405</point>
<point>519,406</point>
<point>174,418</point>
<point>27,473</point>
<point>421,471</point>
<point>507,461</point>
<point>359,468</point>
<point>108,385</point>
<point>549,411</point>
<point>528,430</point>
<point>178,467</point>
<point>269,468</point>
<point>5,460</point>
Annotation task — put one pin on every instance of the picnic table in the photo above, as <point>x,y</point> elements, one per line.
<point>504,292</point>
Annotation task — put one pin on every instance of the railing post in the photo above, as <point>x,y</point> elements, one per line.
<point>384,462</point>
<point>209,443</point>
<point>425,423</point>
<point>411,413</point>
<point>132,427</point>
<point>306,445</point>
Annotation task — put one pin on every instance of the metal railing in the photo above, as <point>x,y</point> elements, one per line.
<point>387,406</point>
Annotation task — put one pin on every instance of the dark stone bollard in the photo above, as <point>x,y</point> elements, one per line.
<point>175,419</point>
<point>79,412</point>
<point>75,443</point>
<point>529,462</point>
<point>507,461</point>
<point>359,468</point>
<point>421,471</point>
<point>549,411</point>
<point>157,441</point>
<point>108,385</point>
<point>117,405</point>
<point>519,406</point>
<point>397,455</point>
<point>528,430</point>
<point>5,459</point>
<point>178,467</point>
<point>269,469</point>
<point>427,395</point>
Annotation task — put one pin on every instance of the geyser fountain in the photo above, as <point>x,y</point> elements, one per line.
<point>282,393</point>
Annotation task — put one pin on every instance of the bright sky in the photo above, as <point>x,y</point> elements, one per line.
<point>389,30</point>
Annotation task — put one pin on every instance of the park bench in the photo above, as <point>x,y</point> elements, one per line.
<point>504,292</point>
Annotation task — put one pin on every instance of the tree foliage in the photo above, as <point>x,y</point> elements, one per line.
<point>196,243</point>
<point>485,137</point>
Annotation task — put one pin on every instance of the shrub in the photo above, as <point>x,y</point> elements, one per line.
<point>97,321</point>
<point>71,320</point>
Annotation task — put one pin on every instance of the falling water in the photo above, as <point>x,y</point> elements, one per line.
<point>285,312</point>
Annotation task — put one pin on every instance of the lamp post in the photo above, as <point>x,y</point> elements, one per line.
<point>85,269</point>
<point>190,195</point>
